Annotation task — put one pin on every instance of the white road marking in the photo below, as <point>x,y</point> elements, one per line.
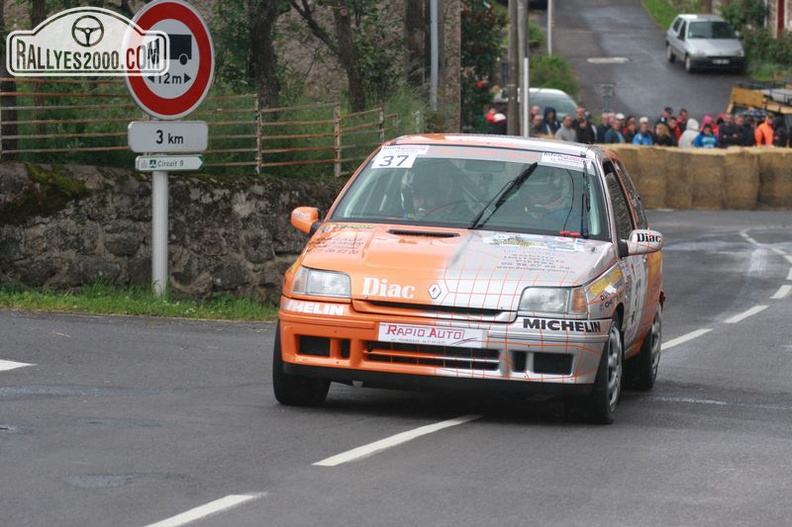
<point>742,316</point>
<point>10,365</point>
<point>745,235</point>
<point>789,276</point>
<point>778,251</point>
<point>684,338</point>
<point>389,442</point>
<point>782,292</point>
<point>789,258</point>
<point>206,510</point>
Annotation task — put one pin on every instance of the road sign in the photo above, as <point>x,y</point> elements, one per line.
<point>191,62</point>
<point>169,163</point>
<point>168,136</point>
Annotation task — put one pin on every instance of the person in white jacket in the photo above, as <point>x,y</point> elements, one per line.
<point>690,133</point>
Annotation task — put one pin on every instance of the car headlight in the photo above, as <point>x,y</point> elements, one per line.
<point>740,52</point>
<point>698,53</point>
<point>568,300</point>
<point>314,282</point>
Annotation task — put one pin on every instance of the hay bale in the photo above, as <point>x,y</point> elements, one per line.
<point>650,175</point>
<point>679,180</point>
<point>775,175</point>
<point>740,179</point>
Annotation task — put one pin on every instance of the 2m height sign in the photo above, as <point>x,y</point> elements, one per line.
<point>183,87</point>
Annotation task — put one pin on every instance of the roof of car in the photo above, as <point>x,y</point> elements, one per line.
<point>503,141</point>
<point>702,17</point>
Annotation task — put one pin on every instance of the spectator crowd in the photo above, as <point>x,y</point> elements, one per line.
<point>751,128</point>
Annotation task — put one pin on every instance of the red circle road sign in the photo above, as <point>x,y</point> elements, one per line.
<point>178,92</point>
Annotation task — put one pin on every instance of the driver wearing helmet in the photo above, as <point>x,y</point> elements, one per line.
<point>428,190</point>
<point>549,200</point>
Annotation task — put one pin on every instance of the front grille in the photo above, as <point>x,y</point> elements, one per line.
<point>436,356</point>
<point>554,363</point>
<point>450,312</point>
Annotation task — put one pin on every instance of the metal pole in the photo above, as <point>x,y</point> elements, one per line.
<point>512,117</point>
<point>522,18</point>
<point>434,63</point>
<point>159,232</point>
<point>550,27</point>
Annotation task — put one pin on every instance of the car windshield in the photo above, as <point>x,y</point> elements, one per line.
<point>711,30</point>
<point>484,188</point>
<point>562,105</point>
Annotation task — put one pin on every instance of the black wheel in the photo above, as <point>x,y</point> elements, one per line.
<point>670,53</point>
<point>689,64</point>
<point>293,390</point>
<point>641,370</point>
<point>601,404</point>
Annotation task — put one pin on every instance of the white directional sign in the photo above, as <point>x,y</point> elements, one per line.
<point>168,136</point>
<point>169,163</point>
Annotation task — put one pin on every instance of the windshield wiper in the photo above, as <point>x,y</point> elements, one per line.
<point>504,194</point>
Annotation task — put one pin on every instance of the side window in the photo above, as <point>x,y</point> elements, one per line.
<point>682,28</point>
<point>675,26</point>
<point>634,197</point>
<point>621,211</point>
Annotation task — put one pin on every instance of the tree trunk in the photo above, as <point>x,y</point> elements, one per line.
<point>450,91</point>
<point>263,14</point>
<point>415,41</point>
<point>6,101</point>
<point>348,55</point>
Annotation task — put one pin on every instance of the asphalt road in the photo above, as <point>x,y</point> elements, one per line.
<point>615,46</point>
<point>138,421</point>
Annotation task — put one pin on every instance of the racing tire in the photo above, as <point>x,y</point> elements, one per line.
<point>601,404</point>
<point>294,390</point>
<point>670,54</point>
<point>689,65</point>
<point>641,370</point>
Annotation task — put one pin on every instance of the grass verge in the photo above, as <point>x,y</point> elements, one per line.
<point>662,12</point>
<point>105,299</point>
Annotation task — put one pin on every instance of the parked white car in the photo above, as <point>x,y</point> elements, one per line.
<point>704,42</point>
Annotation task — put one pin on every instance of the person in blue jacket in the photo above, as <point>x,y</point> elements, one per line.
<point>705,138</point>
<point>643,137</point>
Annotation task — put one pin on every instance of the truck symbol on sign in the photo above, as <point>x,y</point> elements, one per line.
<point>180,48</point>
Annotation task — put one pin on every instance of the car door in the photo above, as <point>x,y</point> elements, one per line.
<point>633,267</point>
<point>673,35</point>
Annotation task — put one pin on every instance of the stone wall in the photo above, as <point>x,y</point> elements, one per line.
<point>62,227</point>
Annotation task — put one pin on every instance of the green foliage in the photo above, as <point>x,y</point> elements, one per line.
<point>230,25</point>
<point>134,300</point>
<point>768,53</point>
<point>554,72</point>
<point>745,14</point>
<point>661,11</point>
<point>482,47</point>
<point>378,45</point>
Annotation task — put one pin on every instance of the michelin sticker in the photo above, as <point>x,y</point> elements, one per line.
<point>398,156</point>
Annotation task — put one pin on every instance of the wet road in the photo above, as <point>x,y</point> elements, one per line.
<point>618,52</point>
<point>138,421</point>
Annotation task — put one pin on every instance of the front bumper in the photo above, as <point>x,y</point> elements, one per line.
<point>713,63</point>
<point>420,349</point>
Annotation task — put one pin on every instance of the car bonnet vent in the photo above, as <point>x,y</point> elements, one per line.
<point>430,234</point>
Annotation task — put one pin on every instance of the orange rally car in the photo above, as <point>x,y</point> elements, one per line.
<point>476,262</point>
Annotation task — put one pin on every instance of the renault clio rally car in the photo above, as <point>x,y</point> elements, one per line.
<point>476,262</point>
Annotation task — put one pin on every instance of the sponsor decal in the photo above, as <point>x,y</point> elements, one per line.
<point>578,326</point>
<point>87,41</point>
<point>430,335</point>
<point>563,160</point>
<point>381,287</point>
<point>642,237</point>
<point>313,308</point>
<point>398,156</point>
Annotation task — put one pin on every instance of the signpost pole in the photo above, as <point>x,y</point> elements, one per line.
<point>159,232</point>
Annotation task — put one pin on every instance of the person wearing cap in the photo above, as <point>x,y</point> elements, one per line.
<point>764,132</point>
<point>643,137</point>
<point>614,134</point>
<point>498,124</point>
<point>667,113</point>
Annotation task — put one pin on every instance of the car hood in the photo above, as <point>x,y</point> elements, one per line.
<point>715,47</point>
<point>453,267</point>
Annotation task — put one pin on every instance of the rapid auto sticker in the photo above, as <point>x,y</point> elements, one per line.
<point>430,335</point>
<point>313,308</point>
<point>398,156</point>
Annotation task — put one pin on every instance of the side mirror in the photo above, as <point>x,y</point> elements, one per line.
<point>305,219</point>
<point>641,241</point>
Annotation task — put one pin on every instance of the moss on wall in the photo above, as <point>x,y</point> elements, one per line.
<point>48,193</point>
